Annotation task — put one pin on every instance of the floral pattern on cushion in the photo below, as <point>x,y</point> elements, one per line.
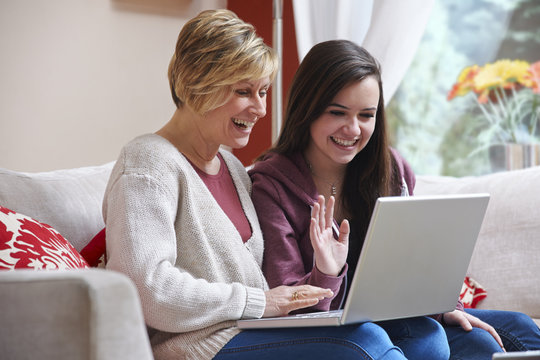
<point>26,243</point>
<point>471,293</point>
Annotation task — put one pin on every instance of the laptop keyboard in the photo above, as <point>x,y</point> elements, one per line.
<point>318,315</point>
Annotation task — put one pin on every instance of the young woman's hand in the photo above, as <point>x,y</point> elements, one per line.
<point>468,321</point>
<point>330,254</point>
<point>283,299</point>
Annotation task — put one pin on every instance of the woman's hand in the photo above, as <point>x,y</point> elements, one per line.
<point>468,321</point>
<point>283,299</point>
<point>330,254</point>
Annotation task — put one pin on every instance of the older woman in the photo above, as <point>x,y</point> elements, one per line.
<point>181,224</point>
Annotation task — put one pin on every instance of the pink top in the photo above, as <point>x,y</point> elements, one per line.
<point>222,188</point>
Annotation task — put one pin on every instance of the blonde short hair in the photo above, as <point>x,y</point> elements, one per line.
<point>214,51</point>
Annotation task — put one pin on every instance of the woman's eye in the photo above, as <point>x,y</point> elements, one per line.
<point>242,92</point>
<point>368,116</point>
<point>337,113</point>
<point>262,93</point>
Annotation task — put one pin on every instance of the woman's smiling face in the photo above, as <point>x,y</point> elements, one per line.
<point>346,125</point>
<point>231,123</point>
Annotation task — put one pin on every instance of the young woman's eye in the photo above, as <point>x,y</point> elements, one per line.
<point>367,116</point>
<point>336,112</point>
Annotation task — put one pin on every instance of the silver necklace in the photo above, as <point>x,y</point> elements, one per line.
<point>333,188</point>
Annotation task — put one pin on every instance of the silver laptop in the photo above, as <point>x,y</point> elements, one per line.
<point>519,355</point>
<point>413,262</point>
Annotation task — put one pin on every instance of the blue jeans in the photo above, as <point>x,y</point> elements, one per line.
<point>517,331</point>
<point>418,338</point>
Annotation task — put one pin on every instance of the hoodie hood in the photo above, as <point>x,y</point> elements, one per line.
<point>292,172</point>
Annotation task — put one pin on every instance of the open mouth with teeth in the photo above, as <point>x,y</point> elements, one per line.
<point>343,142</point>
<point>243,124</point>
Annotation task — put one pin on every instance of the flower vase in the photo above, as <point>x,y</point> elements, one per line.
<point>509,156</point>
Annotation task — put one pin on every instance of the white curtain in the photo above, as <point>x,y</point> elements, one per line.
<point>389,29</point>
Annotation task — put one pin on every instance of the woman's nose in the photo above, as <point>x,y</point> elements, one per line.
<point>258,107</point>
<point>353,127</point>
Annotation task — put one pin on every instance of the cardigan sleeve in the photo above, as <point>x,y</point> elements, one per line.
<point>140,214</point>
<point>284,263</point>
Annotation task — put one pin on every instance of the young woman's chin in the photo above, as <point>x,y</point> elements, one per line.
<point>342,156</point>
<point>343,160</point>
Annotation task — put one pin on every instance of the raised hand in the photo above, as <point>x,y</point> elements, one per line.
<point>283,299</point>
<point>330,254</point>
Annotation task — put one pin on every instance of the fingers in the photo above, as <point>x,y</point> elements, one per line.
<point>476,322</point>
<point>496,336</point>
<point>344,230</point>
<point>315,236</point>
<point>329,213</point>
<point>309,291</point>
<point>457,318</point>
<point>283,299</point>
<point>322,213</point>
<point>464,323</point>
<point>306,295</point>
<point>317,213</point>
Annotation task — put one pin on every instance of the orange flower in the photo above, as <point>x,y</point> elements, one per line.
<point>507,95</point>
<point>465,82</point>
<point>534,77</point>
<point>502,75</point>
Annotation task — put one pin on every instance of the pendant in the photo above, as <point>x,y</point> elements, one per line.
<point>333,190</point>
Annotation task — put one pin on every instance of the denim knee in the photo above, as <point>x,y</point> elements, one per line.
<point>374,339</point>
<point>479,341</point>
<point>436,342</point>
<point>419,338</point>
<point>523,321</point>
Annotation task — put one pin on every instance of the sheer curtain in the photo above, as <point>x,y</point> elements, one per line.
<point>389,29</point>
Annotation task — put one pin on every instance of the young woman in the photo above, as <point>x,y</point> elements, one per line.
<point>180,221</point>
<point>334,144</point>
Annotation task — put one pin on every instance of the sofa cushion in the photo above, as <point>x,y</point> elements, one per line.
<point>94,252</point>
<point>471,293</point>
<point>28,244</point>
<point>69,200</point>
<point>505,260</point>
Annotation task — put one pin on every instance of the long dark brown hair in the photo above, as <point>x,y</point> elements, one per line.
<point>327,68</point>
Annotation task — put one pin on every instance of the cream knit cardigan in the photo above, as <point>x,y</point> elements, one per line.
<point>166,232</point>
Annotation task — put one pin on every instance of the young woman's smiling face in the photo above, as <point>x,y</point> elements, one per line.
<point>346,125</point>
<point>231,123</point>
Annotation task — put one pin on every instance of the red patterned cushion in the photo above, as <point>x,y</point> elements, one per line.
<point>471,293</point>
<point>28,244</point>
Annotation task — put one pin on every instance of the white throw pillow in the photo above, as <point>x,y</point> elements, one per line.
<point>69,200</point>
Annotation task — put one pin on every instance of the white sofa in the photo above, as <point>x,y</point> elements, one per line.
<point>95,313</point>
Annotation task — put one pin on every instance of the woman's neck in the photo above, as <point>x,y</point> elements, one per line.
<point>328,179</point>
<point>184,132</point>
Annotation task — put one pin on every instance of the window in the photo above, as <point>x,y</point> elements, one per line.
<point>435,135</point>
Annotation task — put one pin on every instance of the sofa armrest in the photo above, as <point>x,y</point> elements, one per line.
<point>72,314</point>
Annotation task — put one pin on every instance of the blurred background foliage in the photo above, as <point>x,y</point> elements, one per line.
<point>439,137</point>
